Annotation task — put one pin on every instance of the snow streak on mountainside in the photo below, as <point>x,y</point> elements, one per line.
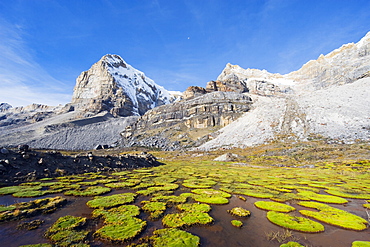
<point>113,85</point>
<point>343,65</point>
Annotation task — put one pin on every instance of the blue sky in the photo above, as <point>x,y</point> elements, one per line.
<point>46,44</point>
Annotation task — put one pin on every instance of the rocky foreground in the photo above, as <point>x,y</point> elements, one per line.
<point>23,164</point>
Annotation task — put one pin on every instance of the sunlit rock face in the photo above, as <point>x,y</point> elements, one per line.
<point>115,86</point>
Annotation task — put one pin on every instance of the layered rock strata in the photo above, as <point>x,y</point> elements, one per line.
<point>216,109</point>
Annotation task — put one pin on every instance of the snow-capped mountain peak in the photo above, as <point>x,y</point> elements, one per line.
<point>114,85</point>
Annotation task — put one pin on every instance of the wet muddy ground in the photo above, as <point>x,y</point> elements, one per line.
<point>220,233</point>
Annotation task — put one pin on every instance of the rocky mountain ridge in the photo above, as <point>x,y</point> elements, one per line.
<point>115,104</point>
<point>115,86</point>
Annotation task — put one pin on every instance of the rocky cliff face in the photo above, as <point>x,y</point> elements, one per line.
<point>209,111</point>
<point>115,86</point>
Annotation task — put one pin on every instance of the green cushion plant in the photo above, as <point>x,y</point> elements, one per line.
<point>89,191</point>
<point>361,244</point>
<point>194,207</point>
<point>237,223</point>
<point>174,238</point>
<point>334,216</point>
<point>111,201</point>
<point>291,244</point>
<point>274,206</point>
<point>186,219</point>
<point>294,223</point>
<point>323,198</point>
<point>118,214</point>
<point>122,231</point>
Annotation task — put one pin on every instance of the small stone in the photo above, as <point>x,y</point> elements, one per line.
<point>4,151</point>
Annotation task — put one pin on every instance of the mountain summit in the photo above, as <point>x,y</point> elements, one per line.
<point>113,85</point>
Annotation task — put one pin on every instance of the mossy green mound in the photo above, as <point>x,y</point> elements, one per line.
<point>361,244</point>
<point>124,231</point>
<point>111,201</point>
<point>68,238</point>
<point>294,223</point>
<point>174,238</point>
<point>186,219</point>
<point>211,199</point>
<point>254,193</point>
<point>19,189</point>
<point>291,244</point>
<point>156,209</point>
<point>323,198</point>
<point>237,223</point>
<point>28,209</point>
<point>37,245</point>
<point>117,215</point>
<point>352,195</point>
<point>211,192</point>
<point>170,199</point>
<point>124,184</point>
<point>89,191</point>
<point>154,206</point>
<point>274,206</point>
<point>334,216</point>
<point>198,183</point>
<point>65,231</point>
<point>284,197</point>
<point>239,211</point>
<point>366,205</point>
<point>67,222</point>
<point>194,207</point>
<point>156,189</point>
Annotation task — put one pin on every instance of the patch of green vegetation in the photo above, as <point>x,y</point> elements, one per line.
<point>239,211</point>
<point>366,205</point>
<point>334,216</point>
<point>66,231</point>
<point>111,201</point>
<point>168,188</point>
<point>106,181</point>
<point>294,223</point>
<point>194,207</point>
<point>198,183</point>
<point>211,192</point>
<point>351,194</point>
<point>88,183</point>
<point>291,244</point>
<point>30,193</point>
<point>237,223</point>
<point>7,208</point>
<point>174,238</point>
<point>186,219</point>
<point>71,179</point>
<point>124,231</point>
<point>118,214</point>
<point>361,244</point>
<point>254,193</point>
<point>284,197</point>
<point>170,199</point>
<point>37,245</point>
<point>18,189</point>
<point>67,222</point>
<point>28,209</point>
<point>274,206</point>
<point>156,209</point>
<point>89,191</point>
<point>322,198</point>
